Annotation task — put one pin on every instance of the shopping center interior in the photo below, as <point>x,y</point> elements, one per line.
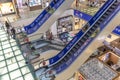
<point>60,40</point>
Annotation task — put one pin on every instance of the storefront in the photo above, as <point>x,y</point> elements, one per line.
<point>6,7</point>
<point>37,4</point>
<point>65,26</point>
<point>32,4</point>
<point>112,60</point>
<point>79,23</point>
<point>80,19</point>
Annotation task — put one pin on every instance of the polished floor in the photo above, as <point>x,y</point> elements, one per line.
<point>12,62</point>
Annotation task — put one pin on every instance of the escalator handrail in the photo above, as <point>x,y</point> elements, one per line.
<point>85,32</point>
<point>89,42</point>
<point>38,24</point>
<point>42,13</point>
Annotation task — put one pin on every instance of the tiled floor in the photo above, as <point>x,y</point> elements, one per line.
<point>12,61</point>
<point>88,10</point>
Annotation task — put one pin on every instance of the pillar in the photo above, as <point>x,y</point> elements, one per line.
<point>16,8</point>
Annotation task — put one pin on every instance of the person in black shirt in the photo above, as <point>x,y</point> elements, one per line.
<point>7,25</point>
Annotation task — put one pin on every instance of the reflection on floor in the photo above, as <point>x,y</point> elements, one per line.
<point>12,62</point>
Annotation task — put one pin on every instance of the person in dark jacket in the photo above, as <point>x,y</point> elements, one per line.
<point>13,32</point>
<point>7,25</point>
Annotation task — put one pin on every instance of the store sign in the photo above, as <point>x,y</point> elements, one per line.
<point>116,31</point>
<point>66,64</point>
<point>87,17</point>
<point>82,15</point>
<point>38,22</point>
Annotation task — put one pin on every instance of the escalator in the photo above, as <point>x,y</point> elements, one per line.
<point>87,40</point>
<point>45,20</point>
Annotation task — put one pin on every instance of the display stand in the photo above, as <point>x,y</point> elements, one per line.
<point>94,69</point>
<point>113,61</point>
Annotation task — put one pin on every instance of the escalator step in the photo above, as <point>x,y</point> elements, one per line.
<point>79,44</point>
<point>73,50</point>
<point>116,3</point>
<point>107,13</point>
<point>110,10</point>
<point>65,59</point>
<point>85,37</point>
<point>104,17</point>
<point>90,30</point>
<point>71,53</point>
<point>83,40</point>
<point>113,7</point>
<point>62,61</point>
<point>98,22</point>
<point>68,56</point>
<point>94,27</point>
<point>88,34</point>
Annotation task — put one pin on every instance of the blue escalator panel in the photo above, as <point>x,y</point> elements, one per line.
<point>42,18</point>
<point>78,36</point>
<point>96,25</point>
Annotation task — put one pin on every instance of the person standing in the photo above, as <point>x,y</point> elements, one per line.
<point>7,25</point>
<point>47,4</point>
<point>13,32</point>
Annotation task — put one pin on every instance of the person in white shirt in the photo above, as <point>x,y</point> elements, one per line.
<point>47,4</point>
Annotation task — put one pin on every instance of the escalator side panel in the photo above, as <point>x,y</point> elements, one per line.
<point>42,18</point>
<point>81,49</point>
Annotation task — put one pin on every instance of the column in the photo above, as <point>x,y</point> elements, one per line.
<point>16,8</point>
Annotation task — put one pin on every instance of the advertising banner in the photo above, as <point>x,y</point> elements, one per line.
<point>82,15</point>
<point>64,52</point>
<point>116,31</point>
<point>38,22</point>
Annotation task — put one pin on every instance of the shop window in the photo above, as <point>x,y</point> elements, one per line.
<point>7,8</point>
<point>35,2</point>
<point>65,24</point>
<point>65,27</point>
<point>79,23</point>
